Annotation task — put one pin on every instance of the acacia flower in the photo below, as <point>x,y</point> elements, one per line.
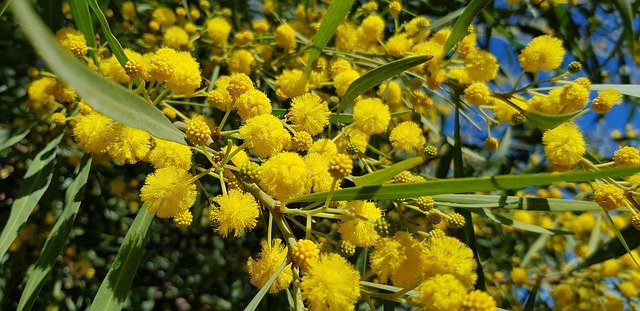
<point>236,211</point>
<point>309,113</point>
<point>331,283</point>
<point>265,135</point>
<point>284,176</point>
<point>168,192</point>
<point>407,136</point>
<point>371,116</point>
<point>542,53</point>
<point>442,292</point>
<point>563,146</point>
<point>268,261</point>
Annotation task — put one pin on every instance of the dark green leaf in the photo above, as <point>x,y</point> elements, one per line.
<point>82,19</point>
<point>115,287</point>
<point>474,201</point>
<point>377,76</point>
<point>445,19</point>
<point>104,95</point>
<point>624,6</point>
<point>521,225</point>
<point>332,18</point>
<point>459,29</point>
<point>10,137</point>
<point>57,237</point>
<point>35,182</point>
<point>530,304</point>
<point>381,176</point>
<point>114,44</point>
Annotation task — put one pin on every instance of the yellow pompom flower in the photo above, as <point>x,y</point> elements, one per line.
<point>343,80</point>
<point>269,260</point>
<point>309,113</point>
<point>239,83</point>
<point>92,132</point>
<point>137,66</point>
<point>260,25</point>
<point>358,231</point>
<point>398,45</point>
<point>63,93</point>
<point>72,40</point>
<point>542,53</point>
<point>609,197</point>
<point>252,103</point>
<point>331,283</point>
<point>219,97</point>
<point>573,97</point>
<point>371,30</point>
<point>371,116</point>
<point>627,156</point>
<point>236,211</point>
<point>391,93</point>
<point>198,131</point>
<point>478,300</point>
<point>605,100</point>
<point>481,65</point>
<point>339,66</point>
<point>340,165</point>
<point>185,77</point>
<point>304,253</point>
<point>291,83</point>
<point>111,68</point>
<point>128,144</point>
<point>286,38</point>
<point>449,255</point>
<point>628,289</point>
<point>265,135</point>
<point>164,16</point>
<point>168,153</point>
<point>387,257</point>
<point>128,10</point>
<point>284,176</point>
<point>41,92</point>
<point>168,192</point>
<point>563,146</point>
<point>218,30</point>
<point>324,146</point>
<point>318,172</point>
<point>442,292</point>
<point>478,94</point>
<point>407,136</point>
<point>183,219</point>
<point>241,61</point>
<point>161,64</point>
<point>176,38</point>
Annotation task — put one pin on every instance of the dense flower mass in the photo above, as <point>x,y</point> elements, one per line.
<point>331,283</point>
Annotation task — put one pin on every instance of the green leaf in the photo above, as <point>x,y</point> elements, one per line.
<point>10,137</point>
<point>549,121</point>
<point>627,240</point>
<point>531,300</point>
<point>115,287</point>
<point>57,237</point>
<point>626,89</point>
<point>474,201</point>
<point>540,243</point>
<point>114,44</point>
<point>445,19</point>
<point>104,95</point>
<point>332,18</point>
<point>624,6</point>
<point>253,304</point>
<point>380,176</point>
<point>35,182</point>
<point>464,185</point>
<point>377,76</point>
<point>82,19</point>
<point>521,225</point>
<point>459,29</point>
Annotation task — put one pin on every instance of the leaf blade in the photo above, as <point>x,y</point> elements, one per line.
<point>82,19</point>
<point>10,137</point>
<point>114,44</point>
<point>380,176</point>
<point>462,23</point>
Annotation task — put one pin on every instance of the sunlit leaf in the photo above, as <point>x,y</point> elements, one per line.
<point>549,121</point>
<point>114,44</point>
<point>626,89</point>
<point>380,176</point>
<point>459,29</point>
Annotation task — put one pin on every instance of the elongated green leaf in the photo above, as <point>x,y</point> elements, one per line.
<point>626,89</point>
<point>114,44</point>
<point>104,95</point>
<point>624,6</point>
<point>332,18</point>
<point>474,201</point>
<point>35,182</point>
<point>549,121</point>
<point>57,237</point>
<point>459,29</point>
<point>253,304</point>
<point>115,287</point>
<point>521,225</point>
<point>462,185</point>
<point>530,304</point>
<point>10,137</point>
<point>628,239</point>
<point>445,19</point>
<point>377,76</point>
<point>540,243</point>
<point>380,176</point>
<point>82,19</point>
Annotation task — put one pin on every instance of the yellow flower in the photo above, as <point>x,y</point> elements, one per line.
<point>265,135</point>
<point>398,45</point>
<point>128,144</point>
<point>346,36</point>
<point>241,61</point>
<point>309,113</point>
<point>449,255</point>
<point>478,94</point>
<point>481,65</point>
<point>128,10</point>
<point>218,30</point>
<point>331,283</point>
<point>371,116</point>
<point>519,276</point>
<point>429,48</point>
<point>343,80</point>
<point>198,131</point>
<point>573,97</point>
<point>605,100</point>
<point>168,153</point>
<point>92,132</point>
<point>168,192</point>
<point>260,25</point>
<point>239,83</point>
<point>542,53</point>
<point>442,292</point>
<point>41,92</point>
<point>72,40</point>
<point>286,38</point>
<point>164,16</point>
<point>609,197</point>
<point>478,300</point>
<point>358,231</point>
<point>563,146</point>
<point>391,93</point>
<point>407,136</point>
<point>628,289</point>
<point>340,65</point>
<point>183,219</point>
<point>387,257</point>
<point>269,260</point>
<point>253,103</point>
<point>371,30</point>
<point>111,68</point>
<point>176,38</point>
<point>627,156</point>
<point>219,97</point>
<point>318,172</point>
<point>235,211</point>
<point>305,253</point>
<point>185,77</point>
<point>324,146</point>
<point>284,176</point>
<point>291,83</point>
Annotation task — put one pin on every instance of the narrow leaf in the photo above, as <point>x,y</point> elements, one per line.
<point>531,300</point>
<point>115,287</point>
<point>35,182</point>
<point>445,19</point>
<point>474,201</point>
<point>10,137</point>
<point>521,225</point>
<point>336,12</point>
<point>462,185</point>
<point>540,243</point>
<point>57,237</point>
<point>624,6</point>
<point>253,304</point>
<point>377,76</point>
<point>380,176</point>
<point>628,239</point>
<point>114,44</point>
<point>104,95</point>
<point>549,121</point>
<point>626,89</point>
<point>462,24</point>
<point>82,19</point>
